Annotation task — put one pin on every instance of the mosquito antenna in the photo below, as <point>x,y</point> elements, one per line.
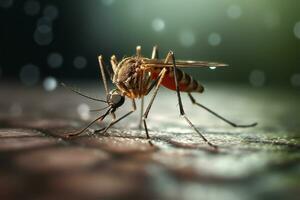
<point>91,123</point>
<point>95,110</point>
<point>83,95</point>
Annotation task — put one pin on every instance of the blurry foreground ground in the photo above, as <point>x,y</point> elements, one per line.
<point>256,163</point>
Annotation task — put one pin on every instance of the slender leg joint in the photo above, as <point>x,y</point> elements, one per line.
<point>103,130</point>
<point>219,116</point>
<point>182,113</point>
<point>155,52</point>
<point>101,65</point>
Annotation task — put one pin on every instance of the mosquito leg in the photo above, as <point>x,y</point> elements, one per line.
<point>109,72</point>
<point>153,56</point>
<point>141,114</point>
<point>157,82</point>
<point>103,130</point>
<point>101,65</point>
<point>114,64</point>
<point>182,113</point>
<point>155,52</point>
<point>90,124</point>
<point>113,115</point>
<point>219,116</point>
<point>138,51</point>
<point>160,78</point>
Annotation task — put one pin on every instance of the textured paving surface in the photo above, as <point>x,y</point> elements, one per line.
<point>257,163</point>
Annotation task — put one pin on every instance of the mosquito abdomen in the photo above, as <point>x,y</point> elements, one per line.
<point>186,81</point>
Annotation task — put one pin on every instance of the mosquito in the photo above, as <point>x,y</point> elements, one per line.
<point>134,78</point>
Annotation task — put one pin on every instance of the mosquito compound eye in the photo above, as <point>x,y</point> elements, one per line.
<point>115,98</point>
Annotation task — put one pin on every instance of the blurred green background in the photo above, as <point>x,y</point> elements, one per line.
<point>50,40</point>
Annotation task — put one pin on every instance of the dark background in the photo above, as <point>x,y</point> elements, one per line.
<point>61,39</point>
<point>45,42</point>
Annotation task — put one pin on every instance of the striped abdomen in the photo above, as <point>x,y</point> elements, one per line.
<point>186,82</point>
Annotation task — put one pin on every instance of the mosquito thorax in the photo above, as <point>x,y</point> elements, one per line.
<point>115,99</point>
<point>127,69</point>
<point>130,78</point>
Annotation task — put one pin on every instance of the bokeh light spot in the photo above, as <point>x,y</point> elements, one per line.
<point>32,7</point>
<point>187,38</point>
<point>55,60</point>
<point>44,29</point>
<point>297,30</point>
<point>80,62</point>
<point>295,80</point>
<point>257,78</point>
<point>214,39</point>
<point>16,109</point>
<point>51,12</point>
<point>158,24</point>
<point>50,83</point>
<point>6,3</point>
<point>84,111</point>
<point>30,74</point>
<point>107,2</point>
<point>43,35</point>
<point>234,11</point>
<point>44,21</point>
<point>272,19</point>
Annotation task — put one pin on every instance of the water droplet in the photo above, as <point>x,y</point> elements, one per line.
<point>234,11</point>
<point>80,62</point>
<point>32,7</point>
<point>295,80</point>
<point>30,74</point>
<point>210,68</point>
<point>158,25</point>
<point>51,12</point>
<point>108,2</point>
<point>55,60</point>
<point>187,38</point>
<point>214,39</point>
<point>257,78</point>
<point>297,30</point>
<point>6,3</point>
<point>84,111</point>
<point>50,83</point>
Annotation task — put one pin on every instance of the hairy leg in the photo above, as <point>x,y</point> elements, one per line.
<point>181,110</point>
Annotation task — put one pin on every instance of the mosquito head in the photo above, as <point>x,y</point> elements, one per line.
<point>115,99</point>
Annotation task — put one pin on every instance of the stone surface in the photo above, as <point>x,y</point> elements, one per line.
<point>58,159</point>
<point>118,145</point>
<point>11,144</point>
<point>38,162</point>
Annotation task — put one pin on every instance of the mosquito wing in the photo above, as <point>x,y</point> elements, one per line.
<point>182,63</point>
